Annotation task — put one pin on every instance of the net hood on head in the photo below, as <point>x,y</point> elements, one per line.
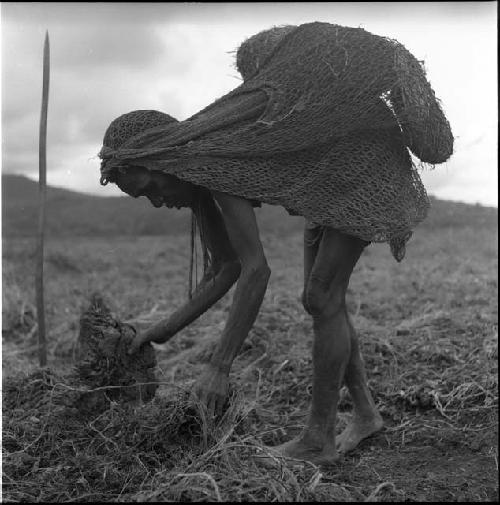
<point>125,127</point>
<point>321,125</point>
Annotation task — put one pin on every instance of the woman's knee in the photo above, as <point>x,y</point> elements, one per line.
<point>320,299</point>
<point>324,293</point>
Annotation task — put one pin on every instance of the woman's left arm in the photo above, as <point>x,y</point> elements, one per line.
<point>241,226</point>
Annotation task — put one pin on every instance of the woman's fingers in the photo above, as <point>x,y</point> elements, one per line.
<point>213,402</point>
<point>136,343</point>
<point>214,405</point>
<point>211,390</point>
<point>211,406</point>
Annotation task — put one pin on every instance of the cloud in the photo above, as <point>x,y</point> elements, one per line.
<point>97,73</point>
<point>108,59</point>
<point>115,46</point>
<point>468,175</point>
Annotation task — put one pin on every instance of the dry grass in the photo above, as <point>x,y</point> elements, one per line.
<point>428,328</point>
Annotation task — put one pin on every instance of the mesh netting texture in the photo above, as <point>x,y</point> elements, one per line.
<point>322,125</point>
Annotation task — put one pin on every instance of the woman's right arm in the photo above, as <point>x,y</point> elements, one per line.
<point>223,273</point>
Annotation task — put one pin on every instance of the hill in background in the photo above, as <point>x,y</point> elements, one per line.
<point>70,213</point>
<point>73,213</point>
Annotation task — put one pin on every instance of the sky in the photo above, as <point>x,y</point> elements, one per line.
<point>111,58</point>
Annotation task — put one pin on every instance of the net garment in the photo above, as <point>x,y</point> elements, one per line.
<point>322,124</point>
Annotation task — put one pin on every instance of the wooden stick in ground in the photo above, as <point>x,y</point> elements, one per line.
<point>42,185</point>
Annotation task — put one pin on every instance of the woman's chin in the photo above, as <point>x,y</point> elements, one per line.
<point>156,202</point>
<point>176,205</point>
<point>161,202</point>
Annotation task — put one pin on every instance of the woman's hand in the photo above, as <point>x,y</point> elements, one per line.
<point>159,333</point>
<point>139,339</point>
<point>212,389</point>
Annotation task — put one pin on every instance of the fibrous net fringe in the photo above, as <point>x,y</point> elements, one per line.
<point>321,125</point>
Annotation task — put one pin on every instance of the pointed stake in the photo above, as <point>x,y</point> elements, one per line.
<point>42,186</point>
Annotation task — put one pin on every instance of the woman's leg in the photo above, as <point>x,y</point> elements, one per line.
<point>328,267</point>
<point>335,260</point>
<point>366,420</point>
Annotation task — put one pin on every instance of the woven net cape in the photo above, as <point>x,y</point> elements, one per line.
<point>321,125</point>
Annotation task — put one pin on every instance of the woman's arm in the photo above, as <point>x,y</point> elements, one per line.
<point>209,291</point>
<point>223,273</point>
<point>241,226</point>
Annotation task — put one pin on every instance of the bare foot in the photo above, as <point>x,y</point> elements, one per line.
<point>356,431</point>
<point>300,451</point>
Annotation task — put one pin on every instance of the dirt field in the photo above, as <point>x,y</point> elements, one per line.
<point>428,328</point>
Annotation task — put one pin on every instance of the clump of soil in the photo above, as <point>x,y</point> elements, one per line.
<point>103,360</point>
<point>103,372</point>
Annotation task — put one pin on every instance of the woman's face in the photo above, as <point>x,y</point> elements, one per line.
<point>161,189</point>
